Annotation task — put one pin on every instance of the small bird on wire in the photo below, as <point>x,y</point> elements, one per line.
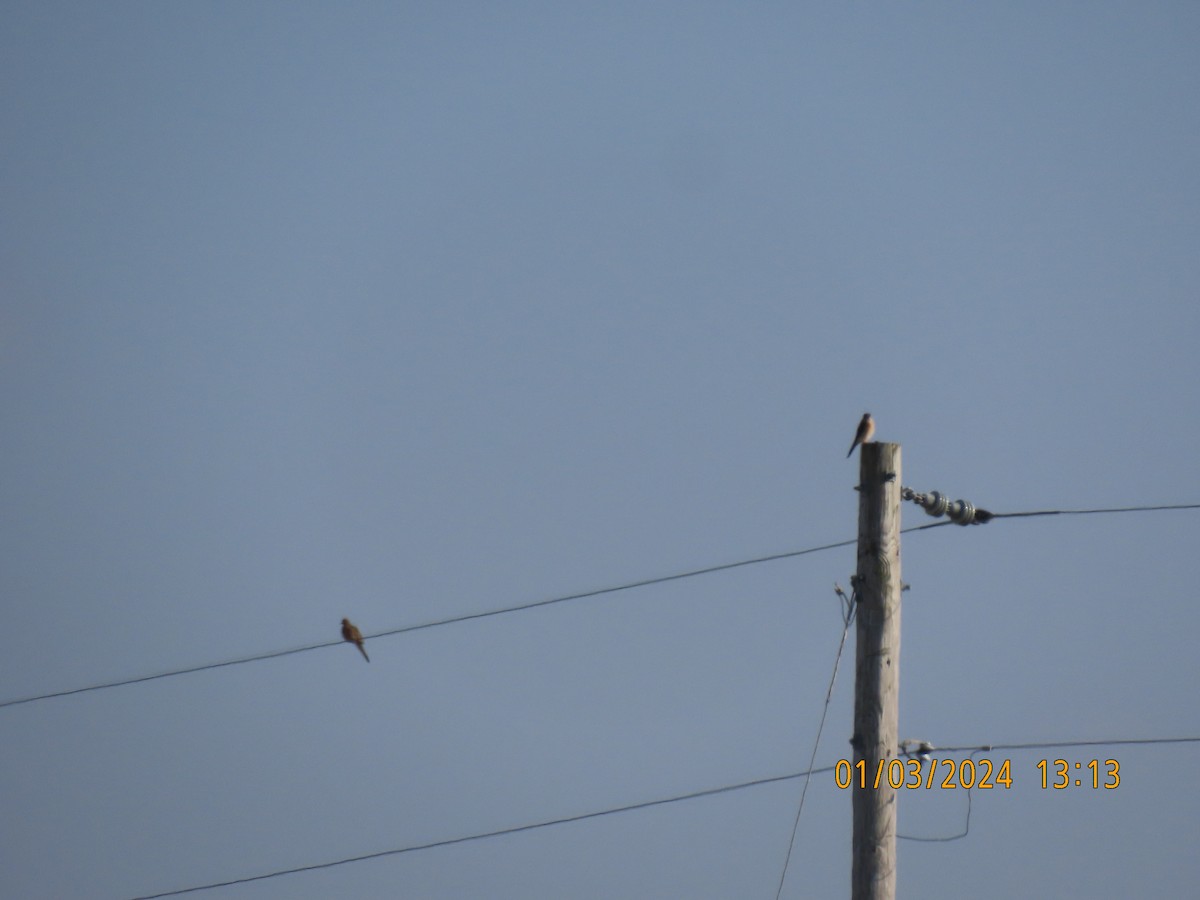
<point>351,633</point>
<point>866,428</point>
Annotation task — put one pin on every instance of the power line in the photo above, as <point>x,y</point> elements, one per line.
<point>694,795</point>
<point>630,807</point>
<point>620,587</point>
<point>1041,745</point>
<point>1090,512</point>
<point>945,839</point>
<point>1047,745</point>
<point>273,654</point>
<point>450,620</point>
<point>141,678</point>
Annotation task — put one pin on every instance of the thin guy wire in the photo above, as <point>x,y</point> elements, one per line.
<point>847,619</point>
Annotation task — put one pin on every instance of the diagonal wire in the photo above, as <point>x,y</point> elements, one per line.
<point>662,579</point>
<point>490,834</point>
<point>449,620</point>
<point>274,654</point>
<point>629,807</point>
<point>847,618</point>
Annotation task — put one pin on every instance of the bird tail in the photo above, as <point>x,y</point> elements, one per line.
<point>363,651</point>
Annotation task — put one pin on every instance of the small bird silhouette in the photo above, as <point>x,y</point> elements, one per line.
<point>866,428</point>
<point>351,633</point>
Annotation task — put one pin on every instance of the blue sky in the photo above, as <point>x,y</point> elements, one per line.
<point>403,312</point>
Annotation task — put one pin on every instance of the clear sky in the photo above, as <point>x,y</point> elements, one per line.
<point>407,311</point>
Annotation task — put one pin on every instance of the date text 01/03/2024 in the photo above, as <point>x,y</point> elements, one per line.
<point>968,773</point>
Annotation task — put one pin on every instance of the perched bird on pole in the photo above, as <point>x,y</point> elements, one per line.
<point>866,428</point>
<point>351,633</point>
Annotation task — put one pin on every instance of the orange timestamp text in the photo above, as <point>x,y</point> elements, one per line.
<point>985,774</point>
<point>916,773</point>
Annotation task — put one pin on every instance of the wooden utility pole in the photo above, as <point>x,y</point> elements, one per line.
<point>876,673</point>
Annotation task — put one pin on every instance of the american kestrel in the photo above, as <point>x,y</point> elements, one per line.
<point>351,633</point>
<point>866,428</point>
